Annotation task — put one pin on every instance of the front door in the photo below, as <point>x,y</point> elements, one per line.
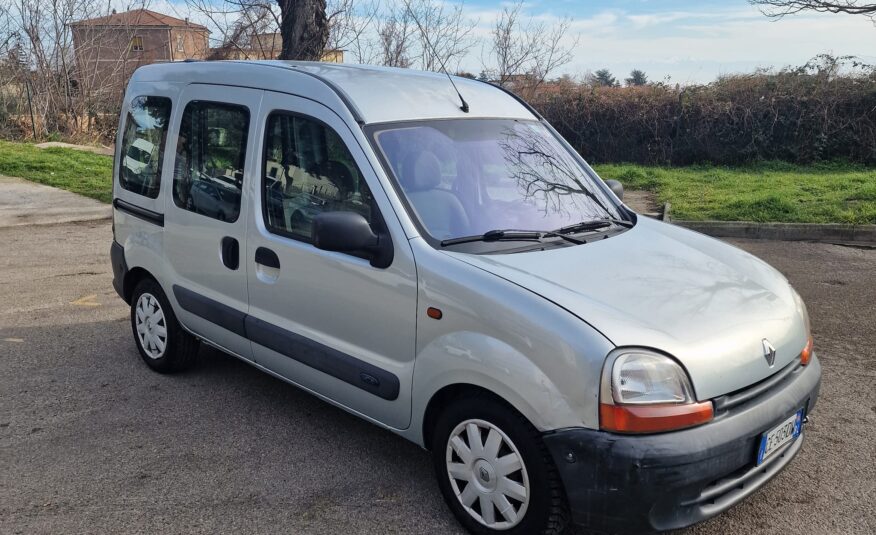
<point>207,213</point>
<point>327,321</point>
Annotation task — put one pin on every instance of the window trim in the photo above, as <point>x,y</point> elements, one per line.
<point>162,148</point>
<point>137,43</point>
<point>243,169</point>
<point>377,223</point>
<point>180,43</point>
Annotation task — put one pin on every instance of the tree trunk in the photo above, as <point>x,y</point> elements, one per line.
<point>304,29</point>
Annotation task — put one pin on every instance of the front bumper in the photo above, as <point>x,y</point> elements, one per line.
<point>643,483</point>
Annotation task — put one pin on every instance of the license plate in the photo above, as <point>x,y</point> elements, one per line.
<point>775,438</point>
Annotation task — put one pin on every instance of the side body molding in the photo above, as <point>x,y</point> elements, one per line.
<point>212,311</point>
<point>323,358</point>
<point>309,352</point>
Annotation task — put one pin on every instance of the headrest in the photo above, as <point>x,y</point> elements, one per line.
<point>420,171</point>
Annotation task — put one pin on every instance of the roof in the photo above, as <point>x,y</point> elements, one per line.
<point>373,94</point>
<point>140,18</point>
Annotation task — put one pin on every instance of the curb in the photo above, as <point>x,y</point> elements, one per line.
<point>829,232</point>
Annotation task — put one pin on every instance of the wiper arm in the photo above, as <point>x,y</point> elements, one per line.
<point>593,224</point>
<point>511,235</point>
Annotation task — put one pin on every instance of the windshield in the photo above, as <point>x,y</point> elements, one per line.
<point>465,177</point>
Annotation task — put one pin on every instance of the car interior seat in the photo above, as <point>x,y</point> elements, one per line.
<point>438,208</point>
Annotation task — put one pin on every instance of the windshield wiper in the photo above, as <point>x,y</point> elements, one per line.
<point>511,235</point>
<point>593,224</point>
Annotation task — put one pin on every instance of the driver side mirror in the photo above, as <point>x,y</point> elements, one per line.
<point>350,232</point>
<point>616,187</point>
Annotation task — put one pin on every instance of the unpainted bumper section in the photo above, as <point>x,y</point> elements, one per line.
<point>120,268</point>
<point>646,483</point>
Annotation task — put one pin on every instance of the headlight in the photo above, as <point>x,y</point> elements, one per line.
<point>640,378</point>
<point>646,392</point>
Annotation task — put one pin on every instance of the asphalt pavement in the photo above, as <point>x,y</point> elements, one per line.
<point>92,441</point>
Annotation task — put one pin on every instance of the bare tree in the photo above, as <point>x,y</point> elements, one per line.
<point>445,34</point>
<point>396,35</point>
<point>524,53</point>
<point>243,29</point>
<point>781,8</point>
<point>350,28</point>
<point>66,90</point>
<point>302,24</point>
<point>367,31</point>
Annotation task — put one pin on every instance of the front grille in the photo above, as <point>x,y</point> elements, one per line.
<point>734,399</point>
<point>724,492</point>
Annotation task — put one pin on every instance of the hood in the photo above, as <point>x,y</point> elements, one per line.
<point>708,304</point>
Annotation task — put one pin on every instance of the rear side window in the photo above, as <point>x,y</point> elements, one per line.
<point>143,145</point>
<point>210,154</point>
<point>308,170</point>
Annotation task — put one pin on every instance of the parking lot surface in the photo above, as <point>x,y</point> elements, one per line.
<point>92,441</point>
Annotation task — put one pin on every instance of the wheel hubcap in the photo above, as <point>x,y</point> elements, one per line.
<point>487,474</point>
<point>151,326</point>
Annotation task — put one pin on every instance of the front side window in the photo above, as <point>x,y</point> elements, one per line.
<point>308,170</point>
<point>467,177</point>
<point>210,154</point>
<point>143,145</point>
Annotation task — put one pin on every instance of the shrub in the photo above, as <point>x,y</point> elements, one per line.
<point>803,115</point>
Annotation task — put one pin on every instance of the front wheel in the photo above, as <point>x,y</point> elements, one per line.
<point>161,340</point>
<point>495,472</point>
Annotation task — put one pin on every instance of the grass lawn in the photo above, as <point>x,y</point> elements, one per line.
<point>770,191</point>
<point>74,170</point>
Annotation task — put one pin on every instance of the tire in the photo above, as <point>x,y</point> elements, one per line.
<point>540,508</point>
<point>161,341</point>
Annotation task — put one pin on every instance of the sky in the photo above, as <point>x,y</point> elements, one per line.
<point>680,41</point>
<point>693,41</point>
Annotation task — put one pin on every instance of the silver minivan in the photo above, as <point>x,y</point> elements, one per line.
<point>427,253</point>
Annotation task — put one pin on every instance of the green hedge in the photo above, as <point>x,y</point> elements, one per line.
<point>793,115</point>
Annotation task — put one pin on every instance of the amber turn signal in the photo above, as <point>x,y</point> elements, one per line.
<point>653,418</point>
<point>806,354</point>
<point>434,313</point>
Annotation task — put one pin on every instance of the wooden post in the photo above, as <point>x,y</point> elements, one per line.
<point>30,105</point>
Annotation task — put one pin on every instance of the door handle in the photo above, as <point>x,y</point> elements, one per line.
<point>267,258</point>
<point>230,252</point>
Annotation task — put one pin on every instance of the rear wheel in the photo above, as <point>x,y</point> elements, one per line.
<point>495,472</point>
<point>161,341</point>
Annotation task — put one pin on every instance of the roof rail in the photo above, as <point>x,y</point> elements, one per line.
<point>357,116</point>
<point>354,111</point>
<point>515,97</point>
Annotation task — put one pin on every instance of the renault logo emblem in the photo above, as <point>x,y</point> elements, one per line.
<point>485,476</point>
<point>769,352</point>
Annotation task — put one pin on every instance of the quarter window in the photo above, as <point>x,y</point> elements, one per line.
<point>143,145</point>
<point>210,154</point>
<point>308,170</point>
